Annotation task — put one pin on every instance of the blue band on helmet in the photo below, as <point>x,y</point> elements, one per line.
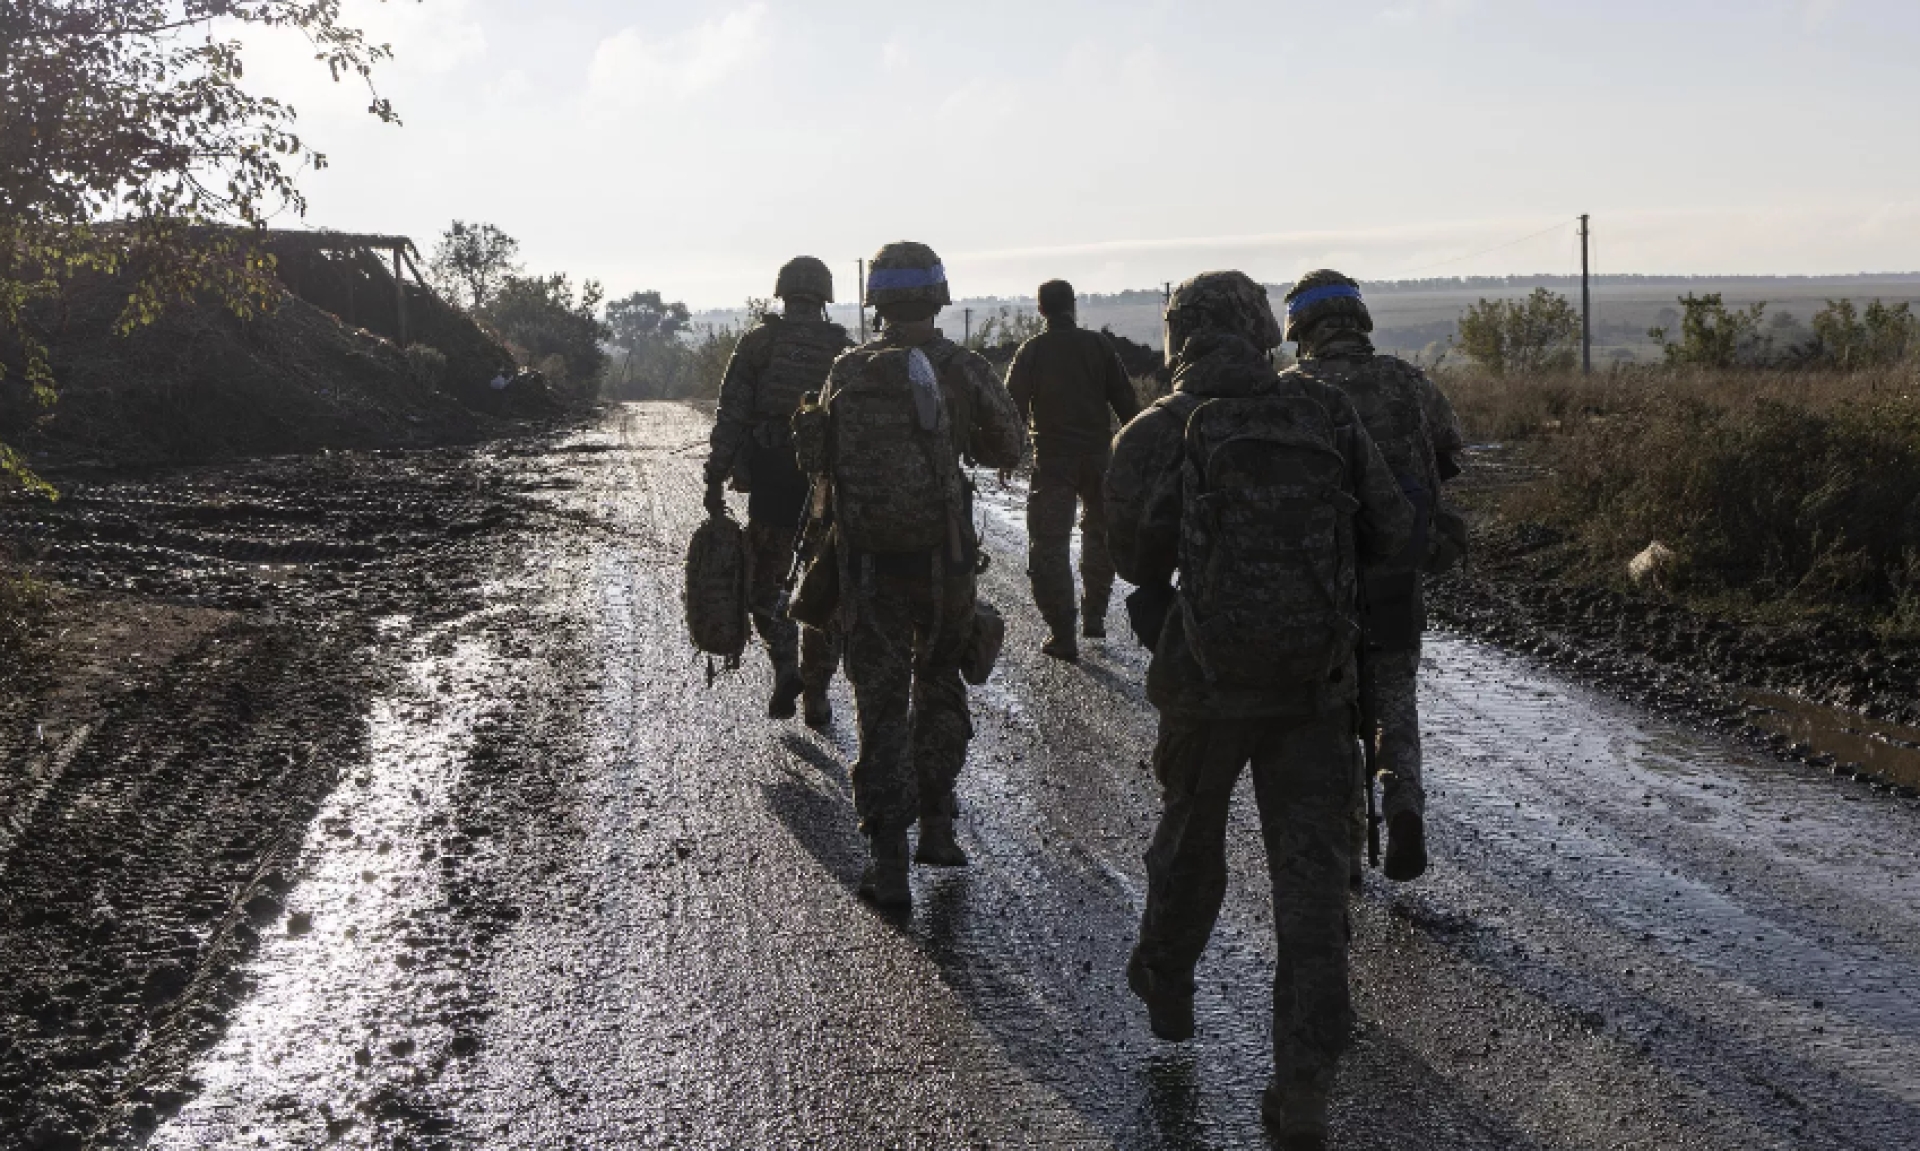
<point>896,279</point>
<point>1315,295</point>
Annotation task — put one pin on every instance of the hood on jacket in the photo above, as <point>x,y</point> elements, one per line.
<point>1218,364</point>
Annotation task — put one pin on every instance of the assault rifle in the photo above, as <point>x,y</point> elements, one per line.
<point>1370,757</point>
<point>816,520</point>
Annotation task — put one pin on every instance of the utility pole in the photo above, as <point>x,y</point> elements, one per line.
<point>967,339</point>
<point>1586,301</point>
<point>862,283</point>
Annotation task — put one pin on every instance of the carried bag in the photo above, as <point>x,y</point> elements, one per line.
<point>1267,583</point>
<point>719,573</point>
<point>989,635</point>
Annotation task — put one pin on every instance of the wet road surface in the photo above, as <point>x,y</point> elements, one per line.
<point>569,895</point>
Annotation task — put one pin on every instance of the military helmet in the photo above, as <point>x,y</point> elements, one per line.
<point>1227,302</point>
<point>904,272</point>
<point>804,276</point>
<point>1326,295</point>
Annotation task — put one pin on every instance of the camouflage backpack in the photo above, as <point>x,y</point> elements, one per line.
<point>896,476</point>
<point>1267,578</point>
<point>1385,394</point>
<point>719,575</point>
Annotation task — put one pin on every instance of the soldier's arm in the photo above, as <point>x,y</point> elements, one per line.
<point>1020,382</point>
<point>1443,425</point>
<point>733,423</point>
<point>1143,498</point>
<point>998,433</point>
<point>1119,386</point>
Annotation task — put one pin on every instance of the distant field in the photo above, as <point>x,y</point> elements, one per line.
<point>1418,318</point>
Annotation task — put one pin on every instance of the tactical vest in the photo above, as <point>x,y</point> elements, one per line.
<point>1385,392</point>
<point>799,356</point>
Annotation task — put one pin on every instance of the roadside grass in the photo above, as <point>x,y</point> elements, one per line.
<point>1781,493</point>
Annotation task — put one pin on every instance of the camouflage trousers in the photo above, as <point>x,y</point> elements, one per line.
<point>1389,692</point>
<point>903,658</point>
<point>817,652</point>
<point>1304,779</point>
<point>1058,485</point>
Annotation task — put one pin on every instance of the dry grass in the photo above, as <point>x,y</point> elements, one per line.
<point>1777,489</point>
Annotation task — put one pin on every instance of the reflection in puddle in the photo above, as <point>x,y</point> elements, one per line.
<point>1875,747</point>
<point>326,1023</point>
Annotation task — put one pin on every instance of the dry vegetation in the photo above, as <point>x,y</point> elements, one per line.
<point>1779,490</point>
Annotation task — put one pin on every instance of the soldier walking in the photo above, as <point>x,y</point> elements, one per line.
<point>903,411</point>
<point>1263,494</point>
<point>781,359</point>
<point>1417,433</point>
<point>1064,382</point>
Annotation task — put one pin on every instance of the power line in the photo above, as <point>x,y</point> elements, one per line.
<point>1484,251</point>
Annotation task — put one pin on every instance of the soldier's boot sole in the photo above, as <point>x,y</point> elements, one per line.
<point>1169,1013</point>
<point>787,687</point>
<point>1406,858</point>
<point>937,846</point>
<point>818,709</point>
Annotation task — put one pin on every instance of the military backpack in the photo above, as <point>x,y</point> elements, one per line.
<point>896,476</point>
<point>719,576</point>
<point>1267,575</point>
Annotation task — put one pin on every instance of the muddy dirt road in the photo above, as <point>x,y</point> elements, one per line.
<point>564,894</point>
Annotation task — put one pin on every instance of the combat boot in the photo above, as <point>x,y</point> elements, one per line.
<point>1169,1012</point>
<point>937,846</point>
<point>819,709</point>
<point>884,882</point>
<point>1093,620</point>
<point>787,687</point>
<point>1297,1112</point>
<point>1406,858</point>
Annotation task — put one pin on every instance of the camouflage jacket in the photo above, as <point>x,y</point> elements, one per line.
<point>776,363</point>
<point>1144,506</point>
<point>1406,416</point>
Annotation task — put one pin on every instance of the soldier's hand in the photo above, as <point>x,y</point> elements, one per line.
<point>716,498</point>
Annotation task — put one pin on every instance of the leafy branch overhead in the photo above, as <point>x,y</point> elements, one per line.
<point>127,135</point>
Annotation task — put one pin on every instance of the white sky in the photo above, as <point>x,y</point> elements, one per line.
<point>693,147</point>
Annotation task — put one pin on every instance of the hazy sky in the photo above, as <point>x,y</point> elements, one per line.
<point>693,147</point>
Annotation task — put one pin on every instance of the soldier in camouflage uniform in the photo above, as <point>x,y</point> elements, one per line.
<point>781,359</point>
<point>1065,381</point>
<point>1416,430</point>
<point>908,406</point>
<point>1216,718</point>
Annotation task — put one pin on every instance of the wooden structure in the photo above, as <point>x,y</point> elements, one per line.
<point>337,270</point>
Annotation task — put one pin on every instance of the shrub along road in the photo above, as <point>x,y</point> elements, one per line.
<point>563,892</point>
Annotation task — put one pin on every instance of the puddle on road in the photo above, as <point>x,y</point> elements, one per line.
<point>1878,748</point>
<point>326,1025</point>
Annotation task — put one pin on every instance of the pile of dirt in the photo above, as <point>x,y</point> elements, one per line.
<point>202,384</point>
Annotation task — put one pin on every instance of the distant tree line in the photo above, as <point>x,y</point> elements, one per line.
<point>1541,334</point>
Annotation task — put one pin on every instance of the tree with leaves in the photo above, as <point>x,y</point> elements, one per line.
<point>1533,336</point>
<point>472,262</point>
<point>129,146</point>
<point>1713,335</point>
<point>646,317</point>
<point>1848,338</point>
<point>548,322</point>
